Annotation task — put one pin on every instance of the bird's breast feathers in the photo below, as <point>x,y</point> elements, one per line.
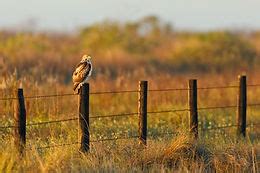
<point>83,70</point>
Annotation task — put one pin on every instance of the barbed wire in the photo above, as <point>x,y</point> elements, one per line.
<point>167,111</point>
<point>137,136</point>
<point>168,89</point>
<point>102,140</point>
<point>126,114</point>
<point>7,127</point>
<point>253,85</point>
<point>8,98</point>
<point>69,94</point>
<point>124,91</point>
<point>69,119</point>
<point>52,95</point>
<point>253,124</point>
<point>116,138</point>
<point>114,115</point>
<point>113,92</point>
<point>217,87</point>
<point>136,113</point>
<point>219,127</point>
<point>228,126</point>
<point>55,146</point>
<point>217,107</point>
<point>174,89</point>
<point>50,122</point>
<point>162,133</point>
<point>38,96</point>
<point>253,104</point>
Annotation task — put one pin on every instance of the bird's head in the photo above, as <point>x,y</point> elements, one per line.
<point>85,58</point>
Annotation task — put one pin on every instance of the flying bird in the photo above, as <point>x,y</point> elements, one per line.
<point>82,73</point>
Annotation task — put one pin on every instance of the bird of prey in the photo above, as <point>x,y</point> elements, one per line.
<point>82,73</point>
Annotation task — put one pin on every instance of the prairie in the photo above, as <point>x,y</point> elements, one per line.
<point>123,54</point>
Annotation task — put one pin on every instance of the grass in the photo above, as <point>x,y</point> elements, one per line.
<point>216,150</point>
<point>43,63</point>
<point>179,153</point>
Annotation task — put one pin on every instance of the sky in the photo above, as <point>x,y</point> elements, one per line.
<point>69,15</point>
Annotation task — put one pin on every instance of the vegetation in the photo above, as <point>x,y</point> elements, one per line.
<point>126,47</point>
<point>123,54</point>
<point>180,155</point>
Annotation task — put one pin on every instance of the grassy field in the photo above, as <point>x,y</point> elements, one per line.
<point>216,150</point>
<point>123,54</point>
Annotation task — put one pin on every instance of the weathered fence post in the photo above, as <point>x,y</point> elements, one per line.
<point>84,118</point>
<point>20,122</point>
<point>142,111</point>
<point>241,107</point>
<point>193,108</point>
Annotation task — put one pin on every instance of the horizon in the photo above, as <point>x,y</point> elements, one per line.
<point>182,15</point>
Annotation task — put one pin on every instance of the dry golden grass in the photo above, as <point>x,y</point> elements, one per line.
<point>216,150</point>
<point>43,63</point>
<point>179,154</point>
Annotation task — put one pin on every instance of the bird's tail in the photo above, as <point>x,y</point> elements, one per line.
<point>75,87</point>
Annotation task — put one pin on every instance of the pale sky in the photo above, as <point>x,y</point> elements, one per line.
<point>68,15</point>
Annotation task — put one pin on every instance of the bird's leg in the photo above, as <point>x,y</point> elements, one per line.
<point>79,87</point>
<point>81,84</point>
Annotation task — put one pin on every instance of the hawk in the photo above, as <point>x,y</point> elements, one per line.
<point>82,73</point>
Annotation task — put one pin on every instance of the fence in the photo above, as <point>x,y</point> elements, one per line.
<point>84,116</point>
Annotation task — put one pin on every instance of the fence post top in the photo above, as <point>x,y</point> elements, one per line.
<point>192,79</point>
<point>20,89</point>
<point>84,90</point>
<point>192,82</point>
<point>20,92</point>
<point>241,76</point>
<point>85,84</point>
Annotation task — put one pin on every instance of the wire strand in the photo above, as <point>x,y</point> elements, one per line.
<point>50,122</point>
<point>161,134</point>
<point>169,89</point>
<point>116,138</point>
<point>217,107</point>
<point>253,104</point>
<point>217,87</point>
<point>38,96</point>
<point>219,127</point>
<point>167,111</point>
<point>55,146</point>
<point>113,92</point>
<point>127,114</point>
<point>114,115</point>
<point>7,127</point>
<point>136,136</point>
<point>253,85</point>
<point>228,126</point>
<point>124,91</point>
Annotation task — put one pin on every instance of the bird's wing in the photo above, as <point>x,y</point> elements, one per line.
<point>81,72</point>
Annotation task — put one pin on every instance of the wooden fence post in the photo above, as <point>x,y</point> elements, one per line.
<point>241,107</point>
<point>20,122</point>
<point>142,111</point>
<point>84,118</point>
<point>193,108</point>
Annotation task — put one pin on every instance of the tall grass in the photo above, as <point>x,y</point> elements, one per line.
<point>123,54</point>
<point>179,154</point>
<point>216,150</point>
